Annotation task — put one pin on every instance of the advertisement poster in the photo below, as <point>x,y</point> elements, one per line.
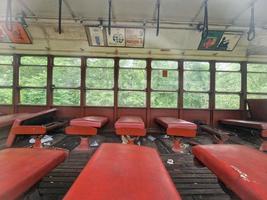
<point>96,36</point>
<point>211,41</point>
<point>228,41</point>
<point>116,38</point>
<point>16,35</point>
<point>135,37</point>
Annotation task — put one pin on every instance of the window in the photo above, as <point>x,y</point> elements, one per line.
<point>66,81</point>
<point>6,79</point>
<point>33,80</point>
<point>100,82</point>
<point>196,85</point>
<point>256,81</point>
<point>227,86</point>
<point>132,83</point>
<point>164,84</point>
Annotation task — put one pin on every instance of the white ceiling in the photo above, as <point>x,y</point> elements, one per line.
<point>43,30</point>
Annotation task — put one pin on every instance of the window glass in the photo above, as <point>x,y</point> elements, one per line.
<point>100,98</point>
<point>66,97</point>
<point>159,82</point>
<point>257,82</point>
<point>257,96</point>
<point>67,77</point>
<point>33,60</point>
<point>196,66</point>
<point>164,64</point>
<point>32,76</point>
<point>227,66</point>
<point>6,75</point>
<point>228,81</point>
<point>5,96</point>
<point>257,67</point>
<point>164,99</point>
<point>100,62</point>
<point>196,100</point>
<point>196,81</point>
<point>65,61</point>
<point>132,99</point>
<point>6,60</point>
<point>227,101</point>
<point>132,79</point>
<point>132,63</point>
<point>33,96</point>
<point>100,78</point>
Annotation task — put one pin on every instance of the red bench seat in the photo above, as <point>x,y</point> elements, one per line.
<point>262,126</point>
<point>8,120</point>
<point>177,127</point>
<point>130,125</point>
<point>120,172</point>
<point>21,168</point>
<point>86,125</point>
<point>242,169</point>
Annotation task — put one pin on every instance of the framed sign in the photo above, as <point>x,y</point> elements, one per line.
<point>211,41</point>
<point>95,36</point>
<point>116,37</point>
<point>220,41</point>
<point>17,34</point>
<point>228,41</point>
<point>135,37</point>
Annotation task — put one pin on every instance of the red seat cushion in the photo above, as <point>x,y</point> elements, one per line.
<point>177,127</point>
<point>120,172</point>
<point>91,121</point>
<point>241,168</point>
<point>21,168</point>
<point>130,122</point>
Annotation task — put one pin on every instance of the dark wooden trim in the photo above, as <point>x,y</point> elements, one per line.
<point>148,92</point>
<point>49,88</point>
<point>212,91</point>
<point>83,85</point>
<point>16,90</point>
<point>243,95</point>
<point>116,87</point>
<point>181,88</point>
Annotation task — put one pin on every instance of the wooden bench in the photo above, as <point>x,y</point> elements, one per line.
<point>34,124</point>
<point>118,171</point>
<point>242,169</point>
<point>21,168</point>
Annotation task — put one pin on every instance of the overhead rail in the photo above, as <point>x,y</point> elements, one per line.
<point>205,30</point>
<point>9,15</point>
<point>251,32</point>
<point>158,17</point>
<point>59,16</point>
<point>109,16</point>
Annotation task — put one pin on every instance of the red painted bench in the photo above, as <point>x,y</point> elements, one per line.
<point>8,120</point>
<point>177,127</point>
<point>85,126</point>
<point>34,124</point>
<point>118,171</point>
<point>261,126</point>
<point>21,168</point>
<point>130,125</point>
<point>242,169</point>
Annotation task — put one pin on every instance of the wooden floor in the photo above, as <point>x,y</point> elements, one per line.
<point>193,181</point>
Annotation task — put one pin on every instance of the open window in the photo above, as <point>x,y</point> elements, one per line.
<point>6,79</point>
<point>196,85</point>
<point>66,81</point>
<point>256,81</point>
<point>100,82</point>
<point>228,86</point>
<point>164,84</point>
<point>33,80</point>
<point>132,83</point>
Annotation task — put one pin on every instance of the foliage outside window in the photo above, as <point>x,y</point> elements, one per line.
<point>100,82</point>
<point>6,79</point>
<point>33,80</point>
<point>164,84</point>
<point>196,85</point>
<point>132,83</point>
<point>227,86</point>
<point>66,81</point>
